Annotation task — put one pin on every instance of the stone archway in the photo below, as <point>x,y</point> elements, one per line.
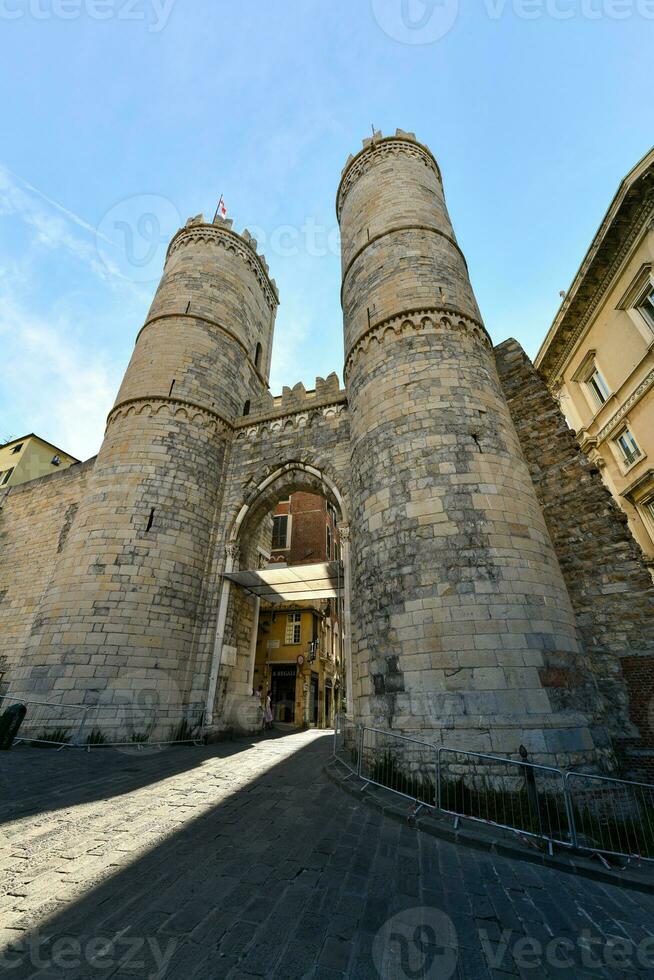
<point>229,686</point>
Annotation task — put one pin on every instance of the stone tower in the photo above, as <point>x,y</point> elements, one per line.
<point>120,612</point>
<point>463,627</point>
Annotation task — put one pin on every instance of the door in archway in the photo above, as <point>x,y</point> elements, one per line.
<point>313,703</point>
<point>282,692</point>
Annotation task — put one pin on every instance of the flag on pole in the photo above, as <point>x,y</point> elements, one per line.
<point>221,210</point>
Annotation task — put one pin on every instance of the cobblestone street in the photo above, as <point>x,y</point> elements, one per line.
<point>244,860</point>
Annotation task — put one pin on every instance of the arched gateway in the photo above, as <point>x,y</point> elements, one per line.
<point>459,623</point>
<point>229,692</point>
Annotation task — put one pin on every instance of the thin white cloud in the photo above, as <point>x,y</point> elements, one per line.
<point>7,177</point>
<point>63,390</point>
<point>57,382</point>
<point>56,227</point>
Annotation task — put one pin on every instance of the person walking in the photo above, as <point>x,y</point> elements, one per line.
<point>268,715</point>
<point>262,706</point>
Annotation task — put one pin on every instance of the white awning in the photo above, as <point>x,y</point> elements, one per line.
<point>293,583</point>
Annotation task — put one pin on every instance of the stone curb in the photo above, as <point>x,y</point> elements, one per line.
<point>386,802</point>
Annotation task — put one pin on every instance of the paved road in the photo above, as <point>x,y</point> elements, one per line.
<point>243,860</point>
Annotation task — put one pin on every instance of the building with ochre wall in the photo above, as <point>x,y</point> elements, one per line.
<point>468,553</point>
<point>297,661</point>
<point>29,458</point>
<point>598,356</point>
<point>299,655</point>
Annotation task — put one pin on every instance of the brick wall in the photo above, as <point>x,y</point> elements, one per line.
<point>309,522</point>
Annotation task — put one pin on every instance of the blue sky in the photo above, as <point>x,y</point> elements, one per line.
<point>118,110</point>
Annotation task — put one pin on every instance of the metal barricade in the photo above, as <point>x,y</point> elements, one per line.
<point>48,722</point>
<point>121,723</point>
<point>346,743</point>
<point>109,724</point>
<point>612,816</point>
<point>519,796</point>
<point>406,766</point>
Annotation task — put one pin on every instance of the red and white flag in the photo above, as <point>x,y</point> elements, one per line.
<point>221,210</point>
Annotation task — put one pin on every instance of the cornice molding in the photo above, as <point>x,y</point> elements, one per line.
<point>421,320</point>
<point>432,229</point>
<point>380,150</point>
<point>300,418</point>
<point>152,405</point>
<point>231,242</point>
<point>212,323</point>
<point>606,259</point>
<point>626,406</point>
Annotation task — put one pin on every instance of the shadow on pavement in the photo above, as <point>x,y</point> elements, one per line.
<point>256,880</point>
<point>37,780</point>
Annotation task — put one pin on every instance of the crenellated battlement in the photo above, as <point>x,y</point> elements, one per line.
<point>457,624</point>
<point>387,147</point>
<point>222,232</point>
<point>294,400</point>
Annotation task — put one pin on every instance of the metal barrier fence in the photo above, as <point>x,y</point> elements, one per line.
<point>596,814</point>
<point>612,816</point>
<point>520,796</point>
<point>129,724</point>
<point>107,724</point>
<point>347,743</point>
<point>402,764</point>
<point>48,723</point>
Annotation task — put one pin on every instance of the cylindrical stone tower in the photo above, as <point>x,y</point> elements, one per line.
<point>120,612</point>
<point>463,629</point>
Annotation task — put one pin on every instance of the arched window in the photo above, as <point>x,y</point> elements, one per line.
<point>257,356</point>
<point>246,407</point>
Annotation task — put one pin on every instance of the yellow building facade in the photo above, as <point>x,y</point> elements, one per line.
<point>30,458</point>
<point>298,662</point>
<point>598,356</point>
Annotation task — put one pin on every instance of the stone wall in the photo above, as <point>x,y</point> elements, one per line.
<point>119,614</point>
<point>497,598</point>
<point>297,447</point>
<point>462,609</point>
<point>35,523</point>
<point>609,586</point>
